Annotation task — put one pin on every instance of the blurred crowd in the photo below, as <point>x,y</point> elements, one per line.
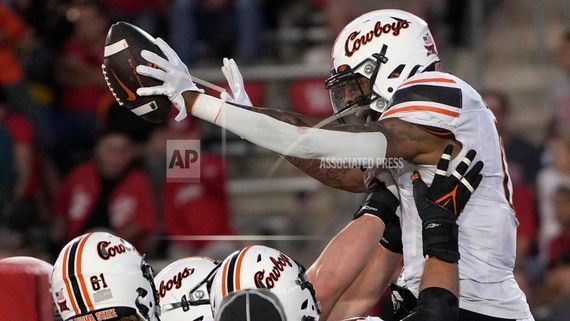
<point>72,160</point>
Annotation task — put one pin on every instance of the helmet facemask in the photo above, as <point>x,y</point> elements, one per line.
<point>352,93</point>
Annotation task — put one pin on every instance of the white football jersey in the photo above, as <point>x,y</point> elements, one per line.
<point>446,105</point>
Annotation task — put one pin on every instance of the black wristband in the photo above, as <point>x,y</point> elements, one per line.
<point>440,239</point>
<point>392,237</point>
<point>380,202</point>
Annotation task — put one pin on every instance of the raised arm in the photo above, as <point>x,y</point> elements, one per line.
<point>345,141</point>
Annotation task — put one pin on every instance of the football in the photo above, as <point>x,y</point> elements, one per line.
<point>121,57</point>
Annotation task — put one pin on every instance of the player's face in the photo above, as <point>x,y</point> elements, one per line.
<point>352,96</point>
<point>349,92</point>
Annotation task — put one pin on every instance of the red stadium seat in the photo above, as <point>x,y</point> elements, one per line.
<point>25,294</point>
<point>309,97</point>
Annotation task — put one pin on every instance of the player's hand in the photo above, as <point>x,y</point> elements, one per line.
<point>441,203</point>
<point>381,201</point>
<point>235,81</point>
<point>174,74</point>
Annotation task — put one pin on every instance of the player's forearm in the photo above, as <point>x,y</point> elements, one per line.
<point>348,179</point>
<point>343,260</point>
<point>284,138</point>
<point>440,274</point>
<point>365,291</point>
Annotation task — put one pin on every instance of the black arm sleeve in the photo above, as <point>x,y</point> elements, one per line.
<point>435,304</point>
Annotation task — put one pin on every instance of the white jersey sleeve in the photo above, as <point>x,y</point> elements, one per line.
<point>432,99</point>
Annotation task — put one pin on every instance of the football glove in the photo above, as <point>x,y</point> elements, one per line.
<point>441,203</point>
<point>235,81</point>
<point>174,74</point>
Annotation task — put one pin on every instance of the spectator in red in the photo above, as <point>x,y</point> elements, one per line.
<point>524,202</point>
<point>12,31</point>
<point>25,164</point>
<point>14,35</point>
<point>561,243</point>
<point>195,208</point>
<point>78,73</point>
<point>107,193</point>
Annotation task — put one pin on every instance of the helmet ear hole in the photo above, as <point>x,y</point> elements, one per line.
<point>414,70</point>
<point>305,304</point>
<point>397,71</point>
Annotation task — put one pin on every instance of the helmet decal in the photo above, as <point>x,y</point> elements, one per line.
<point>107,251</point>
<point>429,44</point>
<point>175,282</point>
<point>355,41</point>
<point>279,265</point>
<point>61,300</point>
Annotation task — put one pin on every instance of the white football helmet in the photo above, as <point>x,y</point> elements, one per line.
<point>374,54</point>
<point>263,267</point>
<point>183,289</point>
<point>102,277</point>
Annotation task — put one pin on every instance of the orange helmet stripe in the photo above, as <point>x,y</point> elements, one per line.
<point>240,259</point>
<point>224,281</point>
<point>66,281</point>
<point>84,291</point>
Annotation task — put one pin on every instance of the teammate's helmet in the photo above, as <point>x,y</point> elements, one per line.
<point>183,289</point>
<point>251,305</point>
<point>263,267</point>
<point>102,277</point>
<point>374,54</point>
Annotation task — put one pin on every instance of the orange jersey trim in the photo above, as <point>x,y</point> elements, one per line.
<point>421,108</point>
